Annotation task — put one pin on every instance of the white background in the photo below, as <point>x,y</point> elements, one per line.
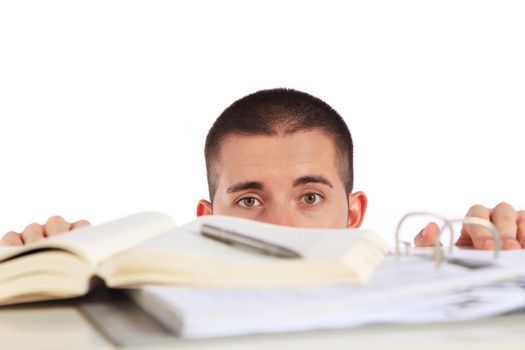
<point>105,105</point>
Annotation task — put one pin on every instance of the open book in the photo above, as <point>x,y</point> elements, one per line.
<point>148,248</point>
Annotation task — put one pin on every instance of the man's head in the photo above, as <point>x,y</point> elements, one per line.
<point>285,157</point>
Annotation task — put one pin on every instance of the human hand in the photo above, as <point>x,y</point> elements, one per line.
<point>36,232</point>
<point>509,222</point>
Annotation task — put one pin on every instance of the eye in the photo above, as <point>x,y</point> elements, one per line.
<point>311,198</point>
<point>248,202</point>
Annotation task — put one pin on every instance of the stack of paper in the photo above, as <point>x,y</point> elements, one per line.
<point>407,291</point>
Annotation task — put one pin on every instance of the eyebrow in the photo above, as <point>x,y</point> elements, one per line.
<point>241,186</point>
<point>303,180</point>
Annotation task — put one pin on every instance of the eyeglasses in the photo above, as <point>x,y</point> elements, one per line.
<point>438,253</point>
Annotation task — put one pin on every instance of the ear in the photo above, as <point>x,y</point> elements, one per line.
<point>357,203</point>
<point>204,207</point>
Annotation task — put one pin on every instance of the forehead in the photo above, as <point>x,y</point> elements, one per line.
<point>246,158</point>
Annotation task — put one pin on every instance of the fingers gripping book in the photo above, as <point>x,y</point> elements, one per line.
<point>148,248</point>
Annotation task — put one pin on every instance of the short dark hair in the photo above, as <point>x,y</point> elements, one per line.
<point>280,112</point>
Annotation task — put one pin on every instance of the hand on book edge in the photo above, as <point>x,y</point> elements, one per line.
<point>36,232</point>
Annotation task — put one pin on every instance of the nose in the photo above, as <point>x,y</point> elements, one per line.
<point>284,215</point>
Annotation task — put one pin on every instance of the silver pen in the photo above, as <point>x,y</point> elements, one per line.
<point>247,242</point>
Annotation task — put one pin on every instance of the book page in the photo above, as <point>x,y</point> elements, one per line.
<point>6,252</point>
<point>312,244</point>
<point>185,256</point>
<point>477,258</point>
<point>99,242</point>
<point>393,280</point>
<point>277,311</point>
<point>409,290</point>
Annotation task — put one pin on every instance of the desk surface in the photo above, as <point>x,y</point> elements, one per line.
<point>64,326</point>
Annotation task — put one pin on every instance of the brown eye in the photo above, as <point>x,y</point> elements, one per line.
<point>311,198</point>
<point>248,202</point>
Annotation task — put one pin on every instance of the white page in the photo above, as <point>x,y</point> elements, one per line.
<point>474,303</point>
<point>96,243</point>
<point>505,257</point>
<point>8,251</point>
<point>393,282</point>
<point>310,243</point>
